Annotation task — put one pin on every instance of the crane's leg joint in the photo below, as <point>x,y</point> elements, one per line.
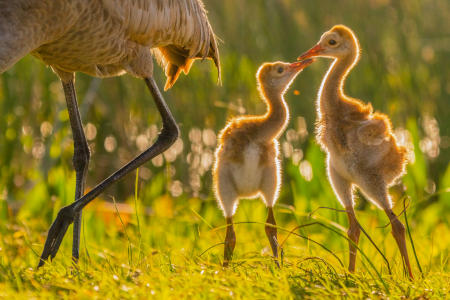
<point>81,157</point>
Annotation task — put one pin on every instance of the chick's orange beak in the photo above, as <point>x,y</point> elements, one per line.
<point>300,65</point>
<point>311,52</point>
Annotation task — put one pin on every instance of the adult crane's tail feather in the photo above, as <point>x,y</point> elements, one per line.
<point>176,59</point>
<point>181,25</point>
<point>214,54</point>
<point>202,43</point>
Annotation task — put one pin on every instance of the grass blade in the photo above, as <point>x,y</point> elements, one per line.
<point>411,240</point>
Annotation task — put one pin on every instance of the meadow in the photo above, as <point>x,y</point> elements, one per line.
<point>159,233</point>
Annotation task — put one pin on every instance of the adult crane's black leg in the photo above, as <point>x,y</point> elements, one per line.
<point>66,215</point>
<point>81,155</point>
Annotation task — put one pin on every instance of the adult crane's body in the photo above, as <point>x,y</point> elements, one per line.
<point>105,38</point>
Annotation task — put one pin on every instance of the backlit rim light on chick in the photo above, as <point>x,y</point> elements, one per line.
<point>361,148</point>
<point>247,157</point>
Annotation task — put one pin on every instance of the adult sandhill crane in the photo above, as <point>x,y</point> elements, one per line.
<point>247,162</point>
<point>360,146</point>
<point>105,38</point>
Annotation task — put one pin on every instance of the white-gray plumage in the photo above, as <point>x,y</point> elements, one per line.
<point>107,37</point>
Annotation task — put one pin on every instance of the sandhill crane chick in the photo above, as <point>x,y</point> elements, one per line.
<point>361,148</point>
<point>104,39</point>
<point>247,163</point>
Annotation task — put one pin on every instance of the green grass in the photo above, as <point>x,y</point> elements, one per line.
<point>175,251</point>
<point>170,247</point>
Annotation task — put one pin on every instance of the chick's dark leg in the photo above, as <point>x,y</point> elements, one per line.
<point>271,232</point>
<point>343,189</point>
<point>230,243</point>
<point>353,235</point>
<point>399,233</point>
<point>68,214</point>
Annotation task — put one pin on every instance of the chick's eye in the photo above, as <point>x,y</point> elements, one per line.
<point>332,42</point>
<point>280,70</point>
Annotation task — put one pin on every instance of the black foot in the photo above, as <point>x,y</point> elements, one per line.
<point>56,233</point>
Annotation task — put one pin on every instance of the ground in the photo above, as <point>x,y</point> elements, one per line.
<point>174,251</point>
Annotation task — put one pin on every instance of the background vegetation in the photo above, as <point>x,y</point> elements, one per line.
<point>161,249</point>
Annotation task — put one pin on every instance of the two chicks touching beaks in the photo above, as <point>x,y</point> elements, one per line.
<point>360,146</point>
